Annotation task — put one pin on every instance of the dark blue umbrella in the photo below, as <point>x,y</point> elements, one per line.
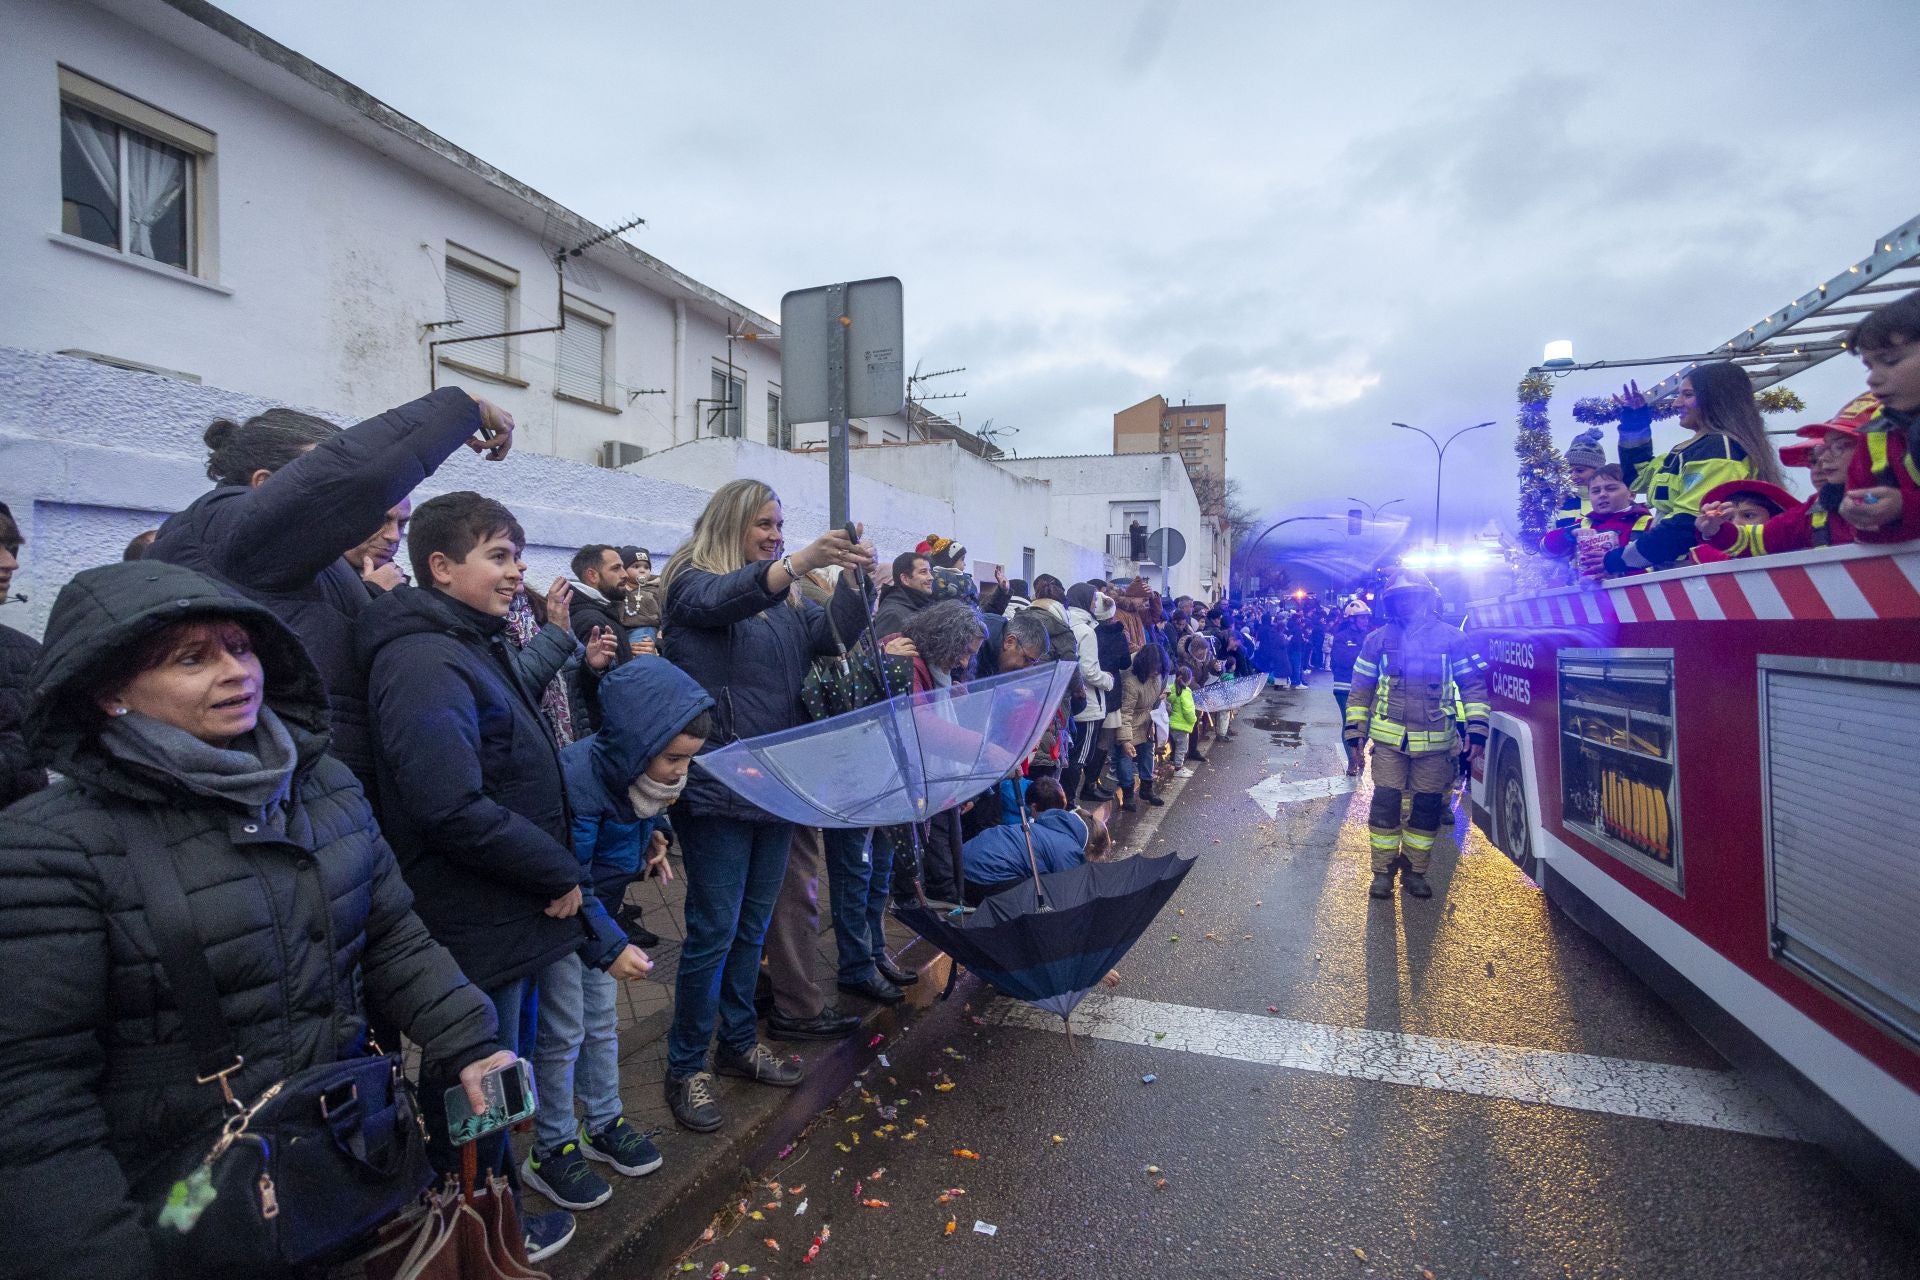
<point>1050,940</point>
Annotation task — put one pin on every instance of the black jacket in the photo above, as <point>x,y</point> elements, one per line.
<point>898,603</point>
<point>302,932</point>
<point>19,775</point>
<point>281,544</point>
<point>750,651</point>
<point>471,791</point>
<point>1115,657</point>
<point>586,613</point>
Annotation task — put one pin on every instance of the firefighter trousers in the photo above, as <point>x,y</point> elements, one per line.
<point>1426,778</point>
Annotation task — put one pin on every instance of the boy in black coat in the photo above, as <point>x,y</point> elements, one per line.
<point>474,803</point>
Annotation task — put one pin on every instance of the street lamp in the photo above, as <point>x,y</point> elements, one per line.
<point>1439,466</point>
<point>1246,553</point>
<point>1373,512</point>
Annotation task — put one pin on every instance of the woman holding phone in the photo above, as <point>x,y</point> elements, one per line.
<point>190,723</point>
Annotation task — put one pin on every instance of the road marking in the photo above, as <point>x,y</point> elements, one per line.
<point>1615,1086</point>
<point>1276,791</point>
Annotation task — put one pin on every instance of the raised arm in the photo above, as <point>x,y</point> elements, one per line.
<point>279,535</point>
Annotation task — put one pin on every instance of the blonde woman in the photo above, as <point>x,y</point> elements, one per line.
<point>732,620</point>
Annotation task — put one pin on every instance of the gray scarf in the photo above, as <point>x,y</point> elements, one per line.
<point>650,798</point>
<point>254,771</point>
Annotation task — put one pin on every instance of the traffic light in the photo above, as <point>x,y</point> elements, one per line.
<point>1355,521</point>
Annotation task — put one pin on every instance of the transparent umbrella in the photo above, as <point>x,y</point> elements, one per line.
<point>898,761</point>
<point>1228,695</point>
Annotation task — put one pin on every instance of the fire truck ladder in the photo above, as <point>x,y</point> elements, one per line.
<point>1810,329</point>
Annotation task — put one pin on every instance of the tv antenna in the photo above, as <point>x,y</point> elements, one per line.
<point>569,259</point>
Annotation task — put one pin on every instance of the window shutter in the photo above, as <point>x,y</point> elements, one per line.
<point>583,359</point>
<point>1846,885</point>
<point>482,305</point>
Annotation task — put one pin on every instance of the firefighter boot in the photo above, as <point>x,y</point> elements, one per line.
<point>1423,826</point>
<point>1416,884</point>
<point>1383,838</point>
<point>1382,886</point>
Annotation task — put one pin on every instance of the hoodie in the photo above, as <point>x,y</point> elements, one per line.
<point>470,783</point>
<point>644,706</point>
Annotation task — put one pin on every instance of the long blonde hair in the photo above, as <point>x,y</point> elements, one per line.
<point>1727,408</point>
<point>718,533</point>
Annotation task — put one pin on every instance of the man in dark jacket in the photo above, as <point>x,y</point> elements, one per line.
<point>599,596</point>
<point>18,773</point>
<point>910,591</point>
<point>277,531</point>
<point>306,922</point>
<point>474,802</point>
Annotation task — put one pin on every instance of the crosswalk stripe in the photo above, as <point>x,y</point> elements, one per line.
<point>1583,1082</point>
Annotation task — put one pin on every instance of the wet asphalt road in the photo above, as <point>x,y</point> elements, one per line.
<point>1268,1171</point>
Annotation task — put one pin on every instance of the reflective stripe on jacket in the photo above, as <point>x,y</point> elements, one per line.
<point>1409,682</point>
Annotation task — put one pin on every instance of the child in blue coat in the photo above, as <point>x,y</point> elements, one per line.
<point>620,782</point>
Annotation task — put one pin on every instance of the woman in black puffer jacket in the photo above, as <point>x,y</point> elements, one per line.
<point>163,700</point>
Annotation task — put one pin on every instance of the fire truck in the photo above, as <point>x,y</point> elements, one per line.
<point>1715,770</point>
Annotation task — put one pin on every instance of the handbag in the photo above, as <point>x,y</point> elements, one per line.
<point>298,1175</point>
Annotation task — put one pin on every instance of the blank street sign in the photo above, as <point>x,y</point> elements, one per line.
<point>876,368</point>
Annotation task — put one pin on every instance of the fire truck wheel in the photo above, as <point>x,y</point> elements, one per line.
<point>1510,809</point>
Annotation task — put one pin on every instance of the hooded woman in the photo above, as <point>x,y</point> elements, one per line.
<point>179,714</point>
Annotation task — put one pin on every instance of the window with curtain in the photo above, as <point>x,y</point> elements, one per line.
<point>481,304</point>
<point>124,189</point>
<point>583,359</point>
<point>723,407</point>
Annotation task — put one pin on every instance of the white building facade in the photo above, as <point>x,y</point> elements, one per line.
<point>187,196</point>
<point>1096,498</point>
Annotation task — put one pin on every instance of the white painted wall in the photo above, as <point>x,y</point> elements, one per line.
<point>329,251</point>
<point>1092,492</point>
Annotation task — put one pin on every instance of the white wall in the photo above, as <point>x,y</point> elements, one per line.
<point>901,495</point>
<point>1091,493</point>
<point>329,252</point>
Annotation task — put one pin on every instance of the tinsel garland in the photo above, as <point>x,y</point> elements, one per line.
<point>1597,411</point>
<point>1543,472</point>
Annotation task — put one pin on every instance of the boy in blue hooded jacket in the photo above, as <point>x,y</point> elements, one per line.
<point>620,782</point>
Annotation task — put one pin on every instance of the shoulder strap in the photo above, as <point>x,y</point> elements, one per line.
<point>182,954</point>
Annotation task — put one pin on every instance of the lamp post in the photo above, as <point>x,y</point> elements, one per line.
<point>1247,552</point>
<point>1440,464</point>
<point>1373,511</point>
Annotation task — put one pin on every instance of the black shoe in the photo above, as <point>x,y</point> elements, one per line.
<point>1382,886</point>
<point>759,1066</point>
<point>875,988</point>
<point>1416,884</point>
<point>829,1024</point>
<point>692,1104</point>
<point>1096,794</point>
<point>897,975</point>
<point>1146,793</point>
<point>1126,803</point>
<point>637,932</point>
<point>1193,755</point>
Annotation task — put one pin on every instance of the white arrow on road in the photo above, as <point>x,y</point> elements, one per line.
<point>1276,791</point>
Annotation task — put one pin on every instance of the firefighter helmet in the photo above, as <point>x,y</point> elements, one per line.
<point>1357,609</point>
<point>1409,588</point>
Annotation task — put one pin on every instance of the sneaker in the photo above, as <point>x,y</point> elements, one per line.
<point>546,1233</point>
<point>629,1151</point>
<point>759,1065</point>
<point>1183,772</point>
<point>565,1178</point>
<point>691,1101</point>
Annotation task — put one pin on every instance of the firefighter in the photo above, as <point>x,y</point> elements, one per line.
<point>1410,674</point>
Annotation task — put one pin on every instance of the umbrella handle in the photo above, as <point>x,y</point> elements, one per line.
<point>1033,864</point>
<point>886,688</point>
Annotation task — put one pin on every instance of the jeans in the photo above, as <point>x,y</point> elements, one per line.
<point>577,1053</point>
<point>1180,738</point>
<point>859,880</point>
<point>1127,761</point>
<point>1297,663</point>
<point>733,869</point>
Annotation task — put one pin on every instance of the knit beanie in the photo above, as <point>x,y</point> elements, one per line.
<point>1103,609</point>
<point>1585,451</point>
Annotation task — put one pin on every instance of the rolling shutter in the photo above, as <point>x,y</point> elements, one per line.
<point>583,358</point>
<point>1841,753</point>
<point>482,305</point>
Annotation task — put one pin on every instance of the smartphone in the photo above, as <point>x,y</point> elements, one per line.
<point>510,1099</point>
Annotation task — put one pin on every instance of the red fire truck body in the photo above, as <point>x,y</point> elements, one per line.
<point>1716,770</point>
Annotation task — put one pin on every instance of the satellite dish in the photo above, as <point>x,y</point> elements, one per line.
<point>1166,547</point>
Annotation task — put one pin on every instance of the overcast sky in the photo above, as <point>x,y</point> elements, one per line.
<point>1330,217</point>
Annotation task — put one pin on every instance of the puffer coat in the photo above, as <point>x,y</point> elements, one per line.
<point>281,543</point>
<point>303,932</point>
<point>18,773</point>
<point>750,651</point>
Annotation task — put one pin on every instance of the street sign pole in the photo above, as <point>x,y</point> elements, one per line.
<point>839,463</point>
